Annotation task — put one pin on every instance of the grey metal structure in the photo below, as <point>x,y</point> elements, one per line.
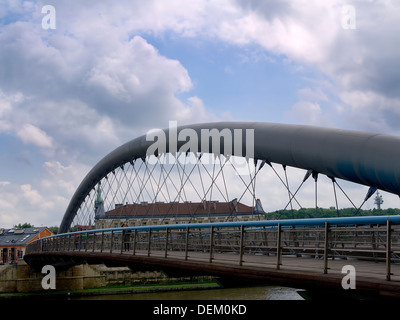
<point>364,158</point>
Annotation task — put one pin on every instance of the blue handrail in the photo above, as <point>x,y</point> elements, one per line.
<point>311,222</point>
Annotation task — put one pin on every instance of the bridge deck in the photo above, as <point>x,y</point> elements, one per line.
<point>297,255</point>
<point>365,269</point>
<point>299,272</point>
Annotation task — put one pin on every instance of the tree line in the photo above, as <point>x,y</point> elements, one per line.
<point>331,212</point>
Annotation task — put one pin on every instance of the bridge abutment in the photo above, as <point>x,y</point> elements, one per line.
<point>21,278</point>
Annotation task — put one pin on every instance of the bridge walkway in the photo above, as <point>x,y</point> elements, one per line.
<point>364,268</point>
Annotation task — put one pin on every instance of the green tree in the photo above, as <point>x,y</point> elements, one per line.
<point>305,213</point>
<point>24,226</point>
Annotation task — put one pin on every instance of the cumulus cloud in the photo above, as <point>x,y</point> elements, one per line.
<point>361,61</point>
<point>60,179</point>
<point>43,201</point>
<point>6,107</point>
<point>81,97</point>
<point>97,81</point>
<point>140,81</point>
<point>284,28</point>
<point>24,203</point>
<point>97,59</point>
<point>372,111</point>
<point>82,90</point>
<point>307,113</point>
<point>30,134</point>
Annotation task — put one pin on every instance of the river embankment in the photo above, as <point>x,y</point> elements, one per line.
<point>19,280</point>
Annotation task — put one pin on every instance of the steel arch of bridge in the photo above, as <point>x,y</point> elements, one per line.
<point>364,158</point>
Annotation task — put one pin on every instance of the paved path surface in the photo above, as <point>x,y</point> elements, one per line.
<point>364,268</point>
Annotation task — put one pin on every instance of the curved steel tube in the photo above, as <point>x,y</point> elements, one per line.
<point>360,157</point>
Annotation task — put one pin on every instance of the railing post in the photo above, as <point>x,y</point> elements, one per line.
<point>373,241</point>
<point>134,242</point>
<point>326,247</point>
<point>74,238</point>
<point>278,248</point>
<point>166,242</point>
<point>388,248</point>
<point>80,242</point>
<point>94,241</point>
<point>211,243</point>
<point>69,242</point>
<point>102,241</point>
<point>187,243</point>
<point>265,241</point>
<point>86,241</point>
<point>149,243</point>
<point>111,241</point>
<point>122,240</point>
<point>241,245</point>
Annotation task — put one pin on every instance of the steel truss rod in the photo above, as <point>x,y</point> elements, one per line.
<point>246,185</point>
<point>213,179</point>
<point>291,195</point>
<point>345,194</point>
<point>287,184</point>
<point>334,191</point>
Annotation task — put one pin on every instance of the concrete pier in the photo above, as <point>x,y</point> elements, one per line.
<point>22,278</point>
<point>19,278</point>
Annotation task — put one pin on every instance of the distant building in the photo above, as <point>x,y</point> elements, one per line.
<point>144,213</point>
<point>13,242</point>
<point>378,200</point>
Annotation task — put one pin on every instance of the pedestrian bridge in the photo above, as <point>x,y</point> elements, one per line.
<point>306,253</point>
<point>166,167</point>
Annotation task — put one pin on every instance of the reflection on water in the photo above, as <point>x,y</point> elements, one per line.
<point>248,293</point>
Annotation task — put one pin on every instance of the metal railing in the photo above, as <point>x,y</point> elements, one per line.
<point>366,238</point>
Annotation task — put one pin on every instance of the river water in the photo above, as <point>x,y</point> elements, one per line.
<point>244,293</point>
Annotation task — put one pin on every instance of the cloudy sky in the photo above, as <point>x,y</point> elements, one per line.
<point>110,71</point>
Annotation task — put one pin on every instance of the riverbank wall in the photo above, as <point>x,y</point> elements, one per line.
<point>20,278</point>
